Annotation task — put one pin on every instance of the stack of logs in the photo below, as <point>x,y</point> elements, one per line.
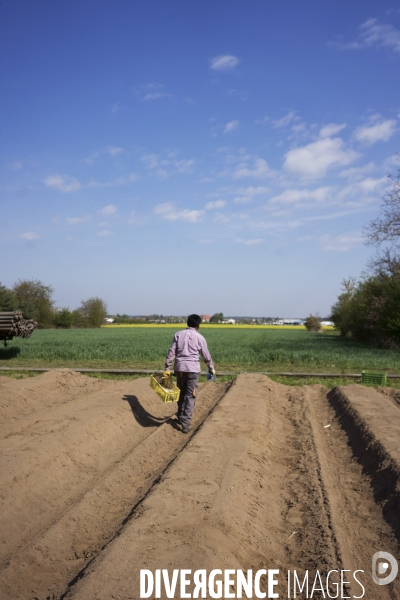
<point>13,324</point>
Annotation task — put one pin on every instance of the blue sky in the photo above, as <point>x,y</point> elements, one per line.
<point>178,157</point>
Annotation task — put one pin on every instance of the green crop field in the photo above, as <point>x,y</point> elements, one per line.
<point>232,349</point>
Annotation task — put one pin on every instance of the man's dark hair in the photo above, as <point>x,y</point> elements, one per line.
<point>193,321</point>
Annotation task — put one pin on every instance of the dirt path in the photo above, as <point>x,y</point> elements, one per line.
<point>262,485</point>
<point>70,476</point>
<point>274,477</point>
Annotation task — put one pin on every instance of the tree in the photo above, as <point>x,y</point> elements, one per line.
<point>78,319</point>
<point>8,301</point>
<point>368,311</point>
<point>312,323</point>
<point>64,318</point>
<point>385,229</point>
<point>217,318</point>
<point>93,311</point>
<point>35,300</point>
<point>342,310</point>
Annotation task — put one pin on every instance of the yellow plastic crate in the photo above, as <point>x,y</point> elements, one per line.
<point>166,395</point>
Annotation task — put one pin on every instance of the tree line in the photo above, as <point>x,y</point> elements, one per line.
<point>368,310</point>
<point>35,300</point>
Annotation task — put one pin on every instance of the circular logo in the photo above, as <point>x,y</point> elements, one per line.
<point>384,568</point>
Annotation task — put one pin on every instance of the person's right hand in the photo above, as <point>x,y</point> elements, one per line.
<point>167,374</point>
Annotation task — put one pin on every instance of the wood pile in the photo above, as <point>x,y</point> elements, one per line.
<point>13,324</point>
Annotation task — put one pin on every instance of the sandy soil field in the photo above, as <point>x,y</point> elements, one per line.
<point>97,482</point>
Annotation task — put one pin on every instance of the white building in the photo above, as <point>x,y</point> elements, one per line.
<point>289,322</point>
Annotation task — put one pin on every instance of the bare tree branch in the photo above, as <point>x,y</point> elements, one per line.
<point>349,285</point>
<point>387,226</point>
<point>386,229</point>
<point>385,262</point>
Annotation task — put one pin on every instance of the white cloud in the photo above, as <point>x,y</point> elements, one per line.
<point>247,194</point>
<point>215,205</point>
<point>299,130</point>
<point>228,218</point>
<point>156,96</point>
<point>231,126</point>
<point>286,120</point>
<point>78,220</point>
<point>184,165</point>
<point>242,199</point>
<point>357,194</point>
<point>293,196</point>
<point>381,34</point>
<point>119,181</point>
<point>100,184</point>
<point>90,159</point>
<point>374,133</point>
<point>332,129</point>
<point>365,191</point>
<point>373,33</point>
<point>108,210</point>
<point>135,220</point>
<point>29,236</point>
<point>163,168</point>
<point>340,243</point>
<point>224,62</point>
<point>114,150</point>
<point>151,91</point>
<point>287,225</point>
<point>239,93</point>
<point>370,185</point>
<point>357,172</point>
<point>104,233</point>
<point>251,242</point>
<point>111,150</point>
<point>167,211</point>
<point>15,166</point>
<point>260,170</point>
<point>62,183</point>
<point>315,159</point>
<point>151,160</point>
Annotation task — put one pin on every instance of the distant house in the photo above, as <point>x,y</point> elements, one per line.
<point>109,320</point>
<point>205,318</point>
<point>327,323</point>
<point>229,321</point>
<point>288,322</point>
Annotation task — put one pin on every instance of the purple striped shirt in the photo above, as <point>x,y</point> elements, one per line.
<point>186,348</point>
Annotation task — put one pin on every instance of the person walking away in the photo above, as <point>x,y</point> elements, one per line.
<point>186,348</point>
